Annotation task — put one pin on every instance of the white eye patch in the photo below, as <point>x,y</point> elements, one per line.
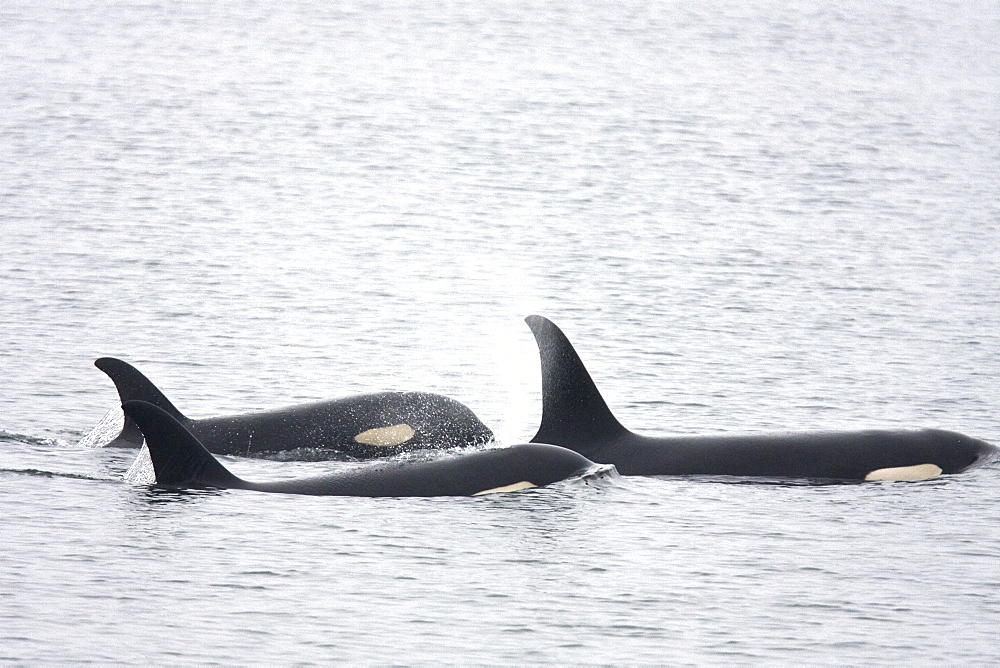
<point>385,437</point>
<point>517,486</point>
<point>906,473</point>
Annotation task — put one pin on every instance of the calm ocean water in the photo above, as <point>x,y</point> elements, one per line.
<point>747,218</point>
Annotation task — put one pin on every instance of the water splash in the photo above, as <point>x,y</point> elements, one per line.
<point>106,430</point>
<point>141,472</point>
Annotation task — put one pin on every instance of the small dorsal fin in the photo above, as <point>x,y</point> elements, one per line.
<point>133,386</point>
<point>574,414</point>
<point>179,459</point>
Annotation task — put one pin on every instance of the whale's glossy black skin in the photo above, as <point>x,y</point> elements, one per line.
<point>575,415</point>
<point>180,460</point>
<point>436,421</point>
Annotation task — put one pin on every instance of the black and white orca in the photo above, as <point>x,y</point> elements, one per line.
<point>575,416</point>
<point>362,426</point>
<point>181,461</point>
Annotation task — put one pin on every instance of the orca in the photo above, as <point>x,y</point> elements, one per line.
<point>575,416</point>
<point>362,426</point>
<point>181,461</point>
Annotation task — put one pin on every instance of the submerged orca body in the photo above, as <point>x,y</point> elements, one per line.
<point>364,425</point>
<point>180,460</point>
<point>575,416</point>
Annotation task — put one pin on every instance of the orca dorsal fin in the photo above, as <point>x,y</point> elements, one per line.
<point>574,414</point>
<point>179,459</point>
<point>133,386</point>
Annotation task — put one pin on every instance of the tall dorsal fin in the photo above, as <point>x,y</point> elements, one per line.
<point>179,459</point>
<point>574,414</point>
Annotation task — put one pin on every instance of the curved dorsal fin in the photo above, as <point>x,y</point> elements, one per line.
<point>574,414</point>
<point>132,385</point>
<point>179,458</point>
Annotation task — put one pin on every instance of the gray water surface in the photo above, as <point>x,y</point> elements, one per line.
<point>748,218</point>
